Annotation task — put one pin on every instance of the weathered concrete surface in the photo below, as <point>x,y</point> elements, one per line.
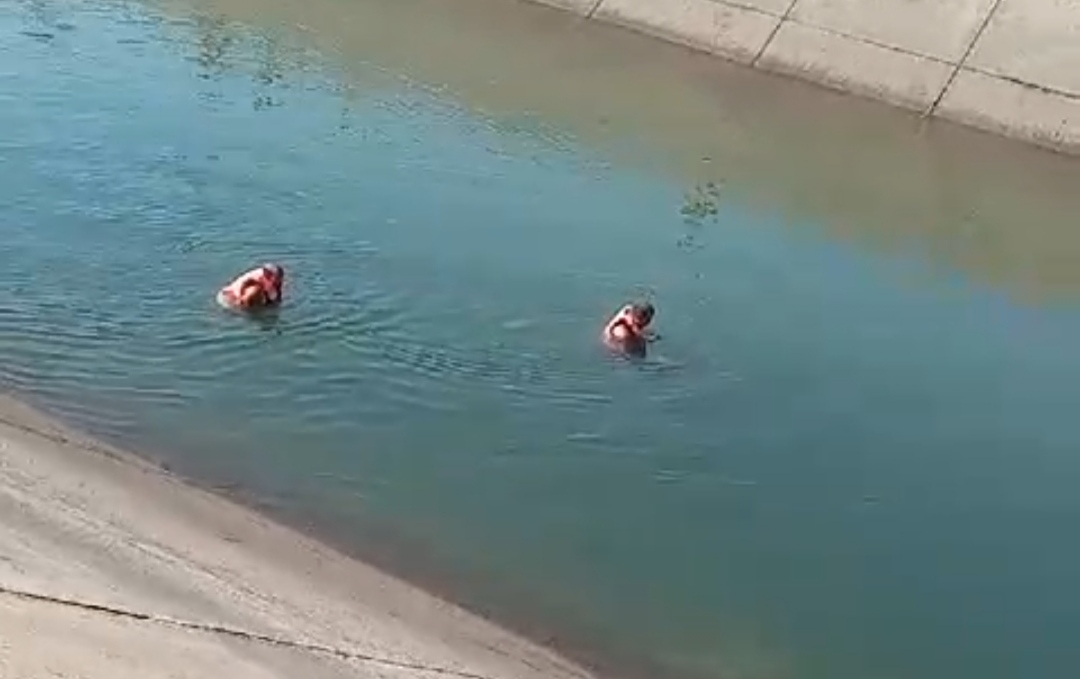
<point>1013,109</point>
<point>941,29</point>
<point>1036,41</point>
<point>738,33</point>
<point>582,7</point>
<point>1022,77</point>
<point>65,642</point>
<point>113,569</point>
<point>899,78</point>
<point>1008,66</point>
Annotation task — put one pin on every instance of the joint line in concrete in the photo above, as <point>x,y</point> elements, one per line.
<point>223,630</point>
<point>1043,89</point>
<point>772,34</point>
<point>932,108</point>
<point>592,10</point>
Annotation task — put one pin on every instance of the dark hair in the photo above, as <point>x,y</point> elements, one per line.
<point>643,312</point>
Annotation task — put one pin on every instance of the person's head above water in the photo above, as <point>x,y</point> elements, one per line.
<point>274,272</point>
<point>628,330</point>
<point>641,314</point>
<point>260,287</point>
<point>274,279</point>
<point>630,323</point>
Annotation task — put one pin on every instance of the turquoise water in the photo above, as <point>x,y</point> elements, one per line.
<point>836,463</point>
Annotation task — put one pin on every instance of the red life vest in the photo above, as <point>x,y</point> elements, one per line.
<point>624,318</point>
<point>261,277</point>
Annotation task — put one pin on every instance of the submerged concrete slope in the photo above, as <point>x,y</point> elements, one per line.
<point>872,175</point>
<point>1007,66</point>
<point>113,569</point>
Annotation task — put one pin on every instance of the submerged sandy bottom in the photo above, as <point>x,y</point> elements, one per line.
<point>112,568</point>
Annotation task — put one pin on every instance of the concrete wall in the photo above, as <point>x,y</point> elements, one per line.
<point>1009,66</point>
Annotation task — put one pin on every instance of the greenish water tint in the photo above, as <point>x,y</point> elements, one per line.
<point>836,463</point>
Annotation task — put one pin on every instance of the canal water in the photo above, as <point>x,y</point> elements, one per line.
<point>854,452</point>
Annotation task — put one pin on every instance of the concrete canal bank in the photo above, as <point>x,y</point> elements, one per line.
<point>111,568</point>
<point>1007,66</point>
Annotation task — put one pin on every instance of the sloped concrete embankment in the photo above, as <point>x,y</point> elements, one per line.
<point>1007,66</point>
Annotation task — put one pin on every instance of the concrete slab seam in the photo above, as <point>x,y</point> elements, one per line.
<point>772,35</point>
<point>949,70</point>
<point>211,628</point>
<point>963,59</point>
<point>1044,89</point>
<point>748,8</point>
<point>869,41</point>
<point>645,28</point>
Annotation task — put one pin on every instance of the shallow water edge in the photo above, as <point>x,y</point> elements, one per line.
<point>371,544</point>
<point>137,553</point>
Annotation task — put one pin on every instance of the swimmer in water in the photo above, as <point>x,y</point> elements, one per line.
<point>260,288</point>
<point>628,330</point>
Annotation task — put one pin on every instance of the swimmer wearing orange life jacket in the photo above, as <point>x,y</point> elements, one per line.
<point>259,288</point>
<point>628,329</point>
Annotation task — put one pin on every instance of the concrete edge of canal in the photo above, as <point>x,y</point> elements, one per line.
<point>1006,66</point>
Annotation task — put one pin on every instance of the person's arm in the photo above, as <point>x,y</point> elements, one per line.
<point>252,295</point>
